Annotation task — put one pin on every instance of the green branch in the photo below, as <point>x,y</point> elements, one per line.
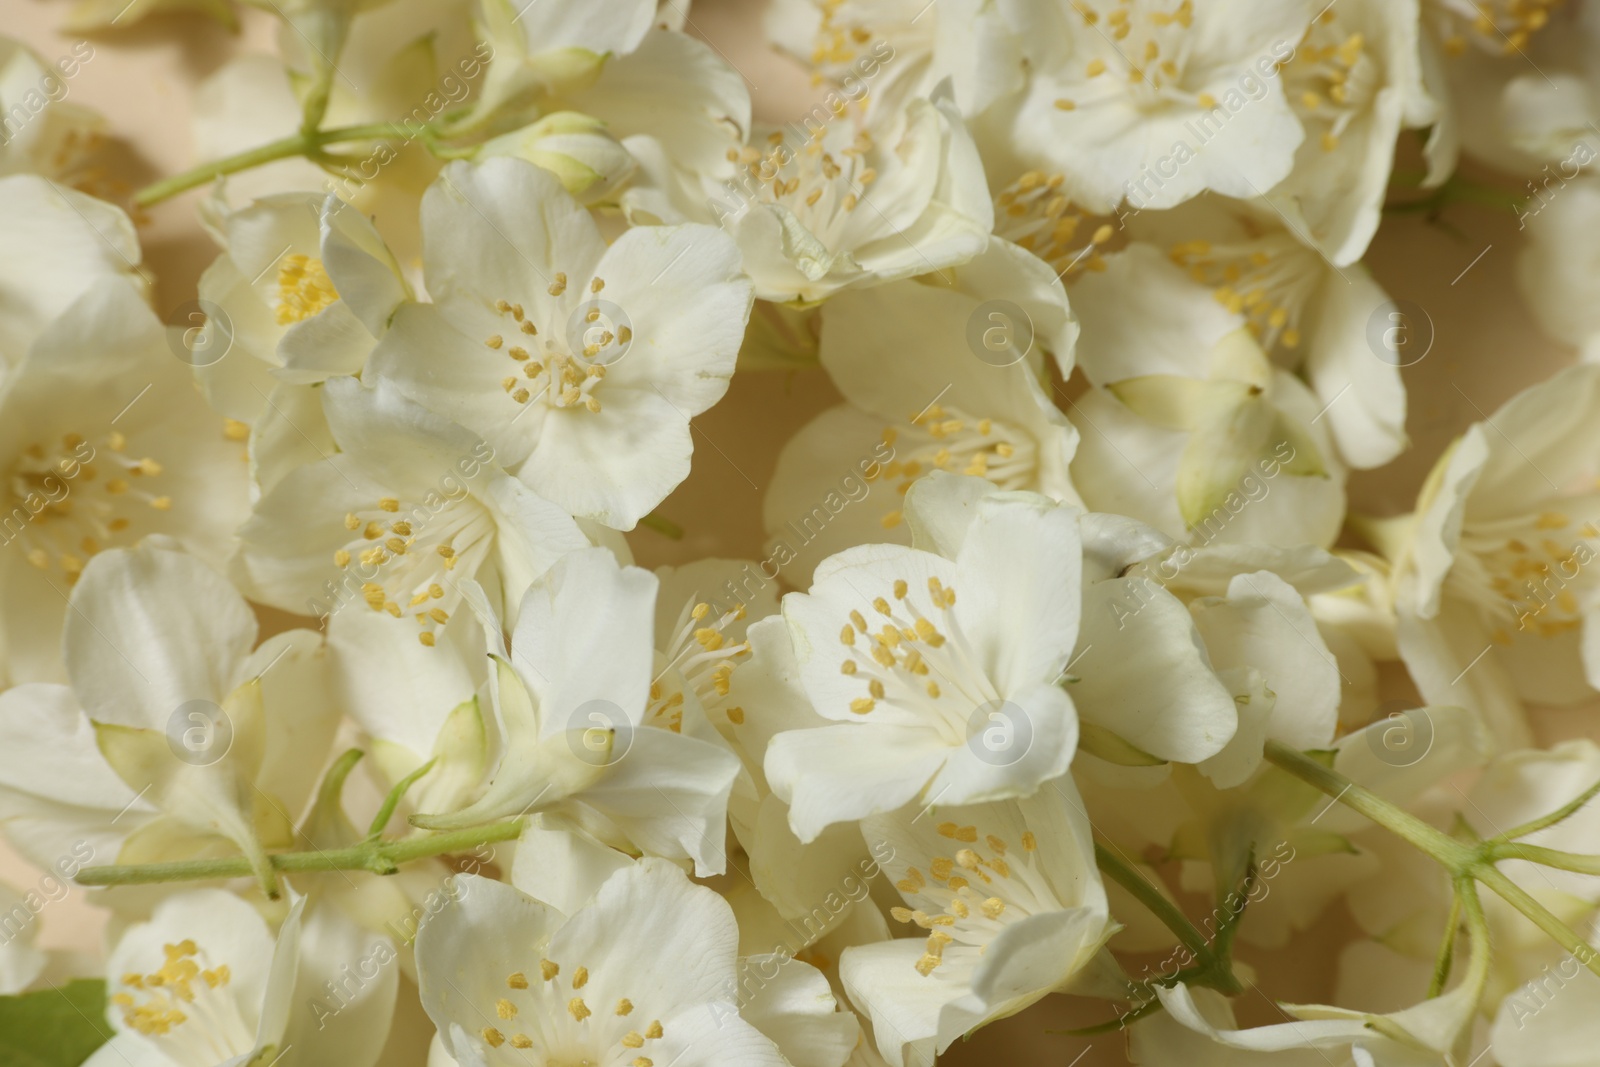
<point>1447,949</point>
<point>378,857</point>
<point>299,144</point>
<point>1467,863</point>
<point>1448,851</point>
<point>1135,883</point>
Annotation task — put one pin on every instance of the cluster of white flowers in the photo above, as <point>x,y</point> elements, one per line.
<point>1063,668</point>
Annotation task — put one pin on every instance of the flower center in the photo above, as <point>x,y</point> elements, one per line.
<point>1332,77</point>
<point>949,439</point>
<point>183,1005</point>
<point>404,553</point>
<point>846,25</point>
<point>968,897</point>
<point>64,511</point>
<point>1032,213</point>
<point>1268,280</point>
<point>910,664</point>
<point>547,1015</point>
<point>822,187</point>
<point>1530,573</point>
<point>557,376</point>
<point>304,289</point>
<point>1500,26</point>
<point>1141,48</point>
<point>704,662</point>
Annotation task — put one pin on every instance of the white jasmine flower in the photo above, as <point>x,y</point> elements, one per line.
<point>1495,571</point>
<point>409,508</point>
<point>1554,267</point>
<point>887,51</point>
<point>1308,315</point>
<point>591,163</point>
<point>781,995</point>
<point>211,735</point>
<point>60,244</point>
<point>954,644</point>
<point>961,701</point>
<point>1355,82</point>
<point>1431,1032</point>
<point>205,983</point>
<point>1517,78</point>
<point>45,133</point>
<point>1013,908</point>
<point>106,443</point>
<point>852,202</point>
<point>921,396</point>
<point>411,62</point>
<point>571,698</point>
<point>580,364</point>
<point>1190,403</point>
<point>1151,103</point>
<point>798,883</point>
<point>305,286</point>
<point>670,99</point>
<point>416,707</point>
<point>644,970</point>
<point>1263,626</point>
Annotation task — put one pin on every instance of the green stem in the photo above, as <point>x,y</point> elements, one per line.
<point>300,144</point>
<point>1451,853</point>
<point>1158,905</point>
<point>332,787</point>
<point>316,105</point>
<point>1549,857</point>
<point>1539,915</point>
<point>663,526</point>
<point>1447,949</point>
<point>1121,1022</point>
<point>392,801</point>
<point>1466,863</point>
<point>1544,822</point>
<point>1459,190</point>
<point>378,857</point>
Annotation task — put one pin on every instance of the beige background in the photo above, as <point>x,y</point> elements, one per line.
<point>142,79</point>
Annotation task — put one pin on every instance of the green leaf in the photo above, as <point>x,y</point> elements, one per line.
<point>58,1027</point>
